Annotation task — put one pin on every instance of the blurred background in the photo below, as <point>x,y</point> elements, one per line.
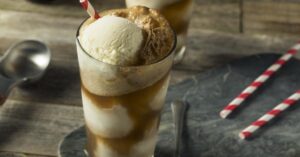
<point>271,17</point>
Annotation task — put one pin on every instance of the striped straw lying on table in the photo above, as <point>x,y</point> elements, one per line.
<point>247,132</point>
<point>259,81</point>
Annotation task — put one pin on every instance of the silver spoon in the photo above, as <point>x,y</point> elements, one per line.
<point>178,111</point>
<point>23,62</point>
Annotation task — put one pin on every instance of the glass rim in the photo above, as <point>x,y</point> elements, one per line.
<point>171,51</point>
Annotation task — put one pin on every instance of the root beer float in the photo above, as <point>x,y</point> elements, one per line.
<point>124,59</point>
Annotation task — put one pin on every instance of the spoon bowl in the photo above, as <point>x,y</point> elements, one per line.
<point>25,61</point>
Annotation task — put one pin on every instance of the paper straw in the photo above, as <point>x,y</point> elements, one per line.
<point>259,81</point>
<point>247,132</point>
<point>89,9</point>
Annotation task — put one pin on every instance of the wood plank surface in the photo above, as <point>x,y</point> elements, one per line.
<point>36,128</point>
<point>218,15</point>
<point>22,25</point>
<point>272,17</point>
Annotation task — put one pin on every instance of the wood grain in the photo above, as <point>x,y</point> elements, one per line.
<point>218,15</point>
<point>36,128</point>
<point>272,17</point>
<point>12,154</point>
<point>48,28</point>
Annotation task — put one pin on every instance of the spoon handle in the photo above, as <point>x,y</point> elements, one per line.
<point>178,111</point>
<point>5,86</point>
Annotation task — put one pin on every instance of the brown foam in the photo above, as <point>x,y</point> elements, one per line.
<point>139,110</point>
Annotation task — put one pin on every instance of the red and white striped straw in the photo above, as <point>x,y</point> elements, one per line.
<point>247,132</point>
<point>89,9</point>
<point>259,81</point>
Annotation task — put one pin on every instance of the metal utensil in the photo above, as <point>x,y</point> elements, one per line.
<point>178,111</point>
<point>23,62</point>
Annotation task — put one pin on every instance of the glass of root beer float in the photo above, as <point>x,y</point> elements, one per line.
<point>125,59</point>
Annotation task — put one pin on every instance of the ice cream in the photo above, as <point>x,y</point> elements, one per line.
<point>135,36</point>
<point>113,40</point>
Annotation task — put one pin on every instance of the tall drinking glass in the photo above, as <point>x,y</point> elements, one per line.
<point>178,13</point>
<point>122,104</point>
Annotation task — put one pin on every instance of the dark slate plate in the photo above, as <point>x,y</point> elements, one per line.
<point>206,134</point>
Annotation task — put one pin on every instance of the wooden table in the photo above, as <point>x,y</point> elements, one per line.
<point>35,118</point>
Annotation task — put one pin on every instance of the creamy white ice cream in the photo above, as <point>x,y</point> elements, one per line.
<point>113,40</point>
<point>106,122</point>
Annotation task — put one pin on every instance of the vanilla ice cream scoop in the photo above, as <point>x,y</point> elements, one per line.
<point>114,40</point>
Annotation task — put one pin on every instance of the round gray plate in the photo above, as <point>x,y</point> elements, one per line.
<point>206,134</point>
